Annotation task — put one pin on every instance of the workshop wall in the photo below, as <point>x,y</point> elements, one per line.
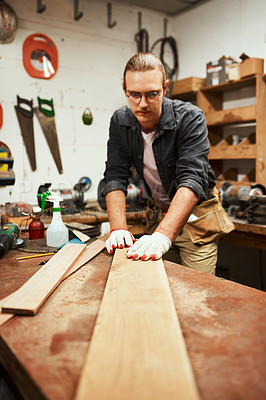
<point>91,61</point>
<point>217,28</point>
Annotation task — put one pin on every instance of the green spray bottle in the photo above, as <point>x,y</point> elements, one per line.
<point>57,233</point>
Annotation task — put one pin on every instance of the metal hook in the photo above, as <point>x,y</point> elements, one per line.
<point>139,18</point>
<point>109,16</point>
<point>165,27</point>
<point>40,7</point>
<point>77,14</point>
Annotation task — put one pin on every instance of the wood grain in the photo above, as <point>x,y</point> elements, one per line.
<point>30,297</point>
<point>91,251</point>
<point>137,349</point>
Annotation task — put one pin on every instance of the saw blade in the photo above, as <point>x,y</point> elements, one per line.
<point>49,130</point>
<point>27,132</point>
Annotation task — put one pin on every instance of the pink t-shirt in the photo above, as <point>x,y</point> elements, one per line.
<point>151,174</point>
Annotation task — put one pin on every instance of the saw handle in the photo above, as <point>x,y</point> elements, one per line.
<point>27,112</point>
<point>46,111</point>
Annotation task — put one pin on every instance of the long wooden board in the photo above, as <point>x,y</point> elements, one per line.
<point>91,251</point>
<point>137,349</point>
<point>30,297</point>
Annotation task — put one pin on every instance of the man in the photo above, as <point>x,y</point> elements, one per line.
<point>167,142</point>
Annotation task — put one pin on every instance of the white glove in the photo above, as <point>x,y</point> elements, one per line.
<point>119,238</point>
<point>150,246</point>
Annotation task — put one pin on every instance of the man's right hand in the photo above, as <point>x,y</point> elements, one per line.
<point>119,238</point>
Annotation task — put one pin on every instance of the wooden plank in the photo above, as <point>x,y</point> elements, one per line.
<point>233,115</point>
<point>30,297</point>
<point>192,84</point>
<point>137,349</point>
<point>260,131</point>
<point>209,102</point>
<point>225,151</point>
<point>229,86</point>
<point>5,317</point>
<point>91,251</point>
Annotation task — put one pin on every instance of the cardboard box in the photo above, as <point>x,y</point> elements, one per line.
<point>234,72</point>
<point>217,71</point>
<point>251,66</point>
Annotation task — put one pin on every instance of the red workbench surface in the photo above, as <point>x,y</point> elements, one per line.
<point>223,324</point>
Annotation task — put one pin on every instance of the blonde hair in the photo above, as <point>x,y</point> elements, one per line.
<point>142,62</point>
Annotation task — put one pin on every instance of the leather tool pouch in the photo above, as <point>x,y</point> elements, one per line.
<point>212,221</point>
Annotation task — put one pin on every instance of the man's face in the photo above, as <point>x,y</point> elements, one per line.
<point>145,94</point>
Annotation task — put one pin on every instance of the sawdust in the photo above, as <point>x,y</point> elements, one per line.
<point>193,302</point>
<point>195,312</point>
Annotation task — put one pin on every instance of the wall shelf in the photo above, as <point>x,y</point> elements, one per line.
<point>232,116</point>
<point>227,152</point>
<point>210,100</point>
<point>187,89</point>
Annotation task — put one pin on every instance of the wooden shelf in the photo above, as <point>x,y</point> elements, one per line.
<point>186,89</point>
<point>210,100</point>
<point>234,152</point>
<point>230,86</point>
<point>232,116</point>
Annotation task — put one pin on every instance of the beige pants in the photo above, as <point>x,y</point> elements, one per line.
<point>202,257</point>
<point>197,248</point>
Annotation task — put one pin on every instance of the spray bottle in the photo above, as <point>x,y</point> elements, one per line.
<point>57,232</point>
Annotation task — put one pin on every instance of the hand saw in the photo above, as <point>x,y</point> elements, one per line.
<point>25,119</point>
<point>46,119</point>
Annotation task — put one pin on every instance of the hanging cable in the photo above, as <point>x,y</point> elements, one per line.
<point>170,41</point>
<point>142,40</point>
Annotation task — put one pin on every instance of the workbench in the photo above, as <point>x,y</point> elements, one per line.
<point>223,324</point>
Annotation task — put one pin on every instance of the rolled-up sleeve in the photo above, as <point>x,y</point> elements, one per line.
<point>117,167</point>
<point>192,163</point>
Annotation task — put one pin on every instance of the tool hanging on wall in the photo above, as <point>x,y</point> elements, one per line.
<point>87,117</point>
<point>45,114</point>
<point>7,176</point>
<point>142,37</point>
<point>1,116</point>
<point>40,7</point>
<point>40,56</point>
<point>110,24</point>
<point>8,23</point>
<point>25,119</point>
<point>77,14</point>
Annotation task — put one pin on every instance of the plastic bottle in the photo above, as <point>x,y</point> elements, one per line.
<point>57,233</point>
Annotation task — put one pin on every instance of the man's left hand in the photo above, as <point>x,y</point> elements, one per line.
<point>150,246</point>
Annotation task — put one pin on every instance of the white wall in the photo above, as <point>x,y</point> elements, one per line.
<point>217,28</point>
<point>91,61</point>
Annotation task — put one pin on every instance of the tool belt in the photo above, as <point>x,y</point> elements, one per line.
<point>212,220</point>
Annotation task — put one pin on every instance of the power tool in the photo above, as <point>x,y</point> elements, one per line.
<point>73,199</point>
<point>8,235</point>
